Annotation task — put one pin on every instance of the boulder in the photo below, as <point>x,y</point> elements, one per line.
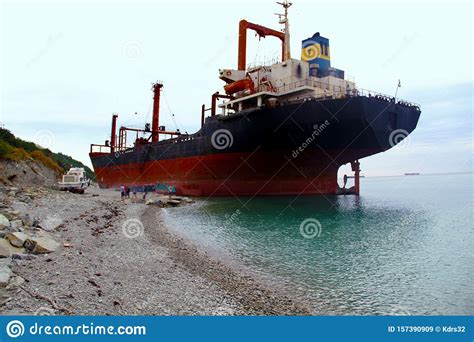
<point>4,222</point>
<point>5,274</point>
<point>41,245</point>
<point>6,249</point>
<point>16,225</point>
<point>17,239</point>
<point>15,213</point>
<point>6,261</point>
<point>50,223</point>
<point>27,220</point>
<point>19,206</point>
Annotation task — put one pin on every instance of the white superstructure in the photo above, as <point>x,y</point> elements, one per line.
<point>288,80</point>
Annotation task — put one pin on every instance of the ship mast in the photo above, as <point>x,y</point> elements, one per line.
<point>284,20</point>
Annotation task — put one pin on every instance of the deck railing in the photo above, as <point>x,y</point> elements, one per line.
<point>97,148</point>
<point>332,90</point>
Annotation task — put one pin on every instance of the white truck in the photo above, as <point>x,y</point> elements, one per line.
<point>75,180</point>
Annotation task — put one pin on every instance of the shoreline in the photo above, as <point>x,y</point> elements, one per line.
<point>119,258</point>
<point>255,297</point>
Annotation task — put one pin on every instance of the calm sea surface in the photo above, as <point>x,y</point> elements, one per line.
<point>405,246</point>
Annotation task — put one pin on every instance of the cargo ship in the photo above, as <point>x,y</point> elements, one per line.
<point>278,129</point>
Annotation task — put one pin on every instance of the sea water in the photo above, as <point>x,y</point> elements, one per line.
<point>405,246</point>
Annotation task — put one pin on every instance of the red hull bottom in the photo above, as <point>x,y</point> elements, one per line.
<point>244,188</point>
<point>231,174</point>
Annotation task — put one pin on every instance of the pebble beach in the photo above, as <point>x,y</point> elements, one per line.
<point>95,254</point>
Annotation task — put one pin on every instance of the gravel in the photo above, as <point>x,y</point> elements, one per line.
<point>118,258</point>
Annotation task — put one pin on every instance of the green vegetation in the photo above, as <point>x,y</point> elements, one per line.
<point>14,148</point>
<point>46,161</point>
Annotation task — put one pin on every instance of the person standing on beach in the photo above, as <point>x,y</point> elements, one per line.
<point>122,192</point>
<point>134,199</point>
<point>128,192</point>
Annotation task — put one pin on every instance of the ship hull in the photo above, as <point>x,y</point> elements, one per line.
<point>293,149</point>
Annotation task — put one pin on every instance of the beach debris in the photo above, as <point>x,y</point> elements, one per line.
<point>164,201</point>
<point>52,302</point>
<point>173,202</point>
<point>23,256</point>
<point>29,245</point>
<point>93,283</point>
<point>150,201</point>
<point>67,244</point>
<point>17,239</point>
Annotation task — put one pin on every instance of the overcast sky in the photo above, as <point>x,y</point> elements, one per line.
<point>66,66</point>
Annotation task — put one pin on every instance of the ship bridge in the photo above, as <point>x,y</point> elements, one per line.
<point>285,81</point>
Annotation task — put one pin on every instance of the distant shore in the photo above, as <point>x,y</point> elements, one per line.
<point>118,258</point>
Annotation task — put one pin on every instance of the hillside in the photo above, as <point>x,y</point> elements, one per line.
<point>41,161</point>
